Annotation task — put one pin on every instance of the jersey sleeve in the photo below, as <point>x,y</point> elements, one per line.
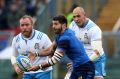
<point>63,43</point>
<point>95,33</point>
<point>14,51</point>
<point>47,41</point>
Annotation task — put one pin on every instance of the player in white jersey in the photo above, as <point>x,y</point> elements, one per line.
<point>91,36</point>
<point>30,40</point>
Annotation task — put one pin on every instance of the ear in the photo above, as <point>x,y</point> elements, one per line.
<point>64,25</point>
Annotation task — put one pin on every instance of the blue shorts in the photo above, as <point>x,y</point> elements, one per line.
<point>39,75</point>
<point>100,66</point>
<point>86,71</point>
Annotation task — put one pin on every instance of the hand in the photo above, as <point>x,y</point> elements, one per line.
<point>18,70</point>
<point>34,68</point>
<point>44,68</point>
<point>31,56</point>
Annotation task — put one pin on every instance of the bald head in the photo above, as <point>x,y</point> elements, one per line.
<point>79,10</point>
<point>79,16</point>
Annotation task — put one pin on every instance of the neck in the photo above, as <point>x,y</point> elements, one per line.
<point>63,30</point>
<point>83,25</point>
<point>28,35</point>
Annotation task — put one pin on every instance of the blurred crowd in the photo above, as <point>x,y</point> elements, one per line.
<point>12,10</point>
<point>10,13</point>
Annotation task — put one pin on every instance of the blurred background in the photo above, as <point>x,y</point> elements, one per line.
<point>105,13</point>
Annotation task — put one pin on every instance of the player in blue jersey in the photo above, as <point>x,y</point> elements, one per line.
<point>66,43</point>
<point>30,40</point>
<point>91,36</point>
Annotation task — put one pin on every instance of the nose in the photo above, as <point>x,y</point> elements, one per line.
<point>53,26</point>
<point>24,27</point>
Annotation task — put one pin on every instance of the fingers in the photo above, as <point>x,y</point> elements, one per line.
<point>18,71</point>
<point>44,68</point>
<point>34,68</point>
<point>31,69</point>
<point>31,56</point>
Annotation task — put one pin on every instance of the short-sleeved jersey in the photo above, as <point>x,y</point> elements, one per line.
<point>87,34</point>
<point>74,49</point>
<point>35,43</point>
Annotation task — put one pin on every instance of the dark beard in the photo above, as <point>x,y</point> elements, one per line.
<point>58,31</point>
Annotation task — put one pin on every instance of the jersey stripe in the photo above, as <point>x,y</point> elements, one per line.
<point>40,35</point>
<point>17,39</point>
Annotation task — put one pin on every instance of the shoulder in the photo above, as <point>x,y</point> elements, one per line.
<point>72,25</point>
<point>92,26</point>
<point>63,41</point>
<point>17,38</point>
<point>65,37</point>
<point>95,29</point>
<point>40,34</point>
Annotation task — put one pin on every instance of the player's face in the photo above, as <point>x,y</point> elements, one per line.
<point>79,17</point>
<point>57,27</point>
<point>26,27</point>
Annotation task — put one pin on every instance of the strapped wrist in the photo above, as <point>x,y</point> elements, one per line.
<point>94,57</point>
<point>40,66</point>
<point>36,54</point>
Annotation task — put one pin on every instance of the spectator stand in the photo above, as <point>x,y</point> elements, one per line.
<point>5,39</point>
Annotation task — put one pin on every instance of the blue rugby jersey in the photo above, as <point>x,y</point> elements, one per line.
<point>72,46</point>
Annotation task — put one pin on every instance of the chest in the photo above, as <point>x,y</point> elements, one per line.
<point>24,46</point>
<point>82,35</point>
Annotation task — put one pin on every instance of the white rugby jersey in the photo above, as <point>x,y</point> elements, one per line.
<point>35,43</point>
<point>89,33</point>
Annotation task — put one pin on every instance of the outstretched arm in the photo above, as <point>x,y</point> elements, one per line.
<point>45,52</point>
<point>52,61</point>
<point>58,54</point>
<point>48,51</point>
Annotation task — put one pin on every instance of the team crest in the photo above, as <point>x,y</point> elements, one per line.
<point>37,46</point>
<point>86,39</point>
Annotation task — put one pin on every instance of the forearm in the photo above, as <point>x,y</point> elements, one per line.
<point>52,61</point>
<point>97,48</point>
<point>13,60</point>
<point>94,56</point>
<point>45,52</point>
<point>48,51</point>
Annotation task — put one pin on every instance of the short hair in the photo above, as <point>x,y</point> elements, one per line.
<point>62,19</point>
<point>29,17</point>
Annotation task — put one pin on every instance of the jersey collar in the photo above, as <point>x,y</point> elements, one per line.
<point>33,34</point>
<point>82,26</point>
